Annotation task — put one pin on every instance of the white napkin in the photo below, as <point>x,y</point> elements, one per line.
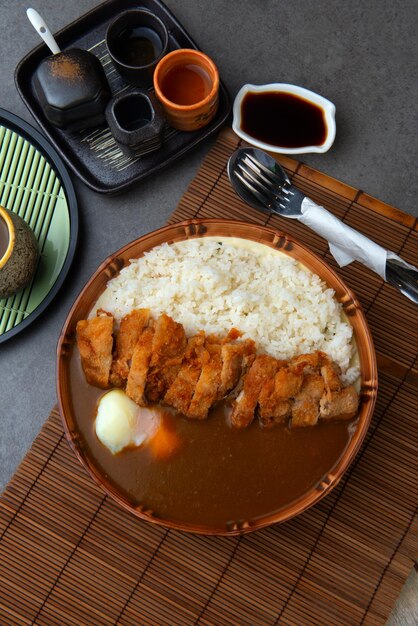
<point>346,244</point>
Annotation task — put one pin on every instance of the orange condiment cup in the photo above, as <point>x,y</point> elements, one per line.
<point>195,113</point>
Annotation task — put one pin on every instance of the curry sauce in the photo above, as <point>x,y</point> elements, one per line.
<point>218,475</point>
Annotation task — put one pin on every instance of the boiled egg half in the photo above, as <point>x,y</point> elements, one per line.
<point>121,423</point>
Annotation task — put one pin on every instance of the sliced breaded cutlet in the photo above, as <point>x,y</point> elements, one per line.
<point>237,357</point>
<point>342,405</point>
<point>308,363</point>
<point>276,395</point>
<point>305,409</point>
<point>130,330</point>
<point>180,393</point>
<point>95,344</point>
<point>137,377</point>
<point>207,386</point>
<point>168,348</point>
<point>263,368</point>
<point>330,374</point>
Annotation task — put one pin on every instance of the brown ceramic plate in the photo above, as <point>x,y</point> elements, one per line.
<point>220,228</point>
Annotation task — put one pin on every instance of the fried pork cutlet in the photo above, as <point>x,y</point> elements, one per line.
<point>168,346</point>
<point>263,368</point>
<point>181,391</point>
<point>305,409</point>
<point>308,363</point>
<point>339,404</point>
<point>276,394</point>
<point>131,327</point>
<point>158,363</point>
<point>137,377</point>
<point>95,343</point>
<point>330,373</point>
<point>272,411</point>
<point>236,357</point>
<point>207,386</point>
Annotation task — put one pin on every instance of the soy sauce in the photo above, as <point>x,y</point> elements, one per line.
<point>283,119</point>
<point>4,237</point>
<point>138,46</point>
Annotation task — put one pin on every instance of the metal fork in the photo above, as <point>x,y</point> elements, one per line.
<point>271,188</point>
<point>261,182</point>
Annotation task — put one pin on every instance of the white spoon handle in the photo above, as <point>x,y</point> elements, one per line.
<point>39,25</point>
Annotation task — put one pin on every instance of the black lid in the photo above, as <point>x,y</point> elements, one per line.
<point>71,87</point>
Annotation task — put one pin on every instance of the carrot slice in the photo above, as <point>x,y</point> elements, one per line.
<point>165,442</point>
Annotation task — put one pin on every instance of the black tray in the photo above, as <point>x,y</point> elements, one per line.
<point>92,154</point>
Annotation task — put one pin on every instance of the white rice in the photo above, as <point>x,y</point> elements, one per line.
<point>217,284</point>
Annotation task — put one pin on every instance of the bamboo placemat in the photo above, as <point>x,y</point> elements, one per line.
<point>69,555</point>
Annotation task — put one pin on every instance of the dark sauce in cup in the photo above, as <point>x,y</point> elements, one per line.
<point>138,46</point>
<point>283,119</point>
<point>4,237</point>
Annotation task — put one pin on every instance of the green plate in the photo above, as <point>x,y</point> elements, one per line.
<point>35,184</point>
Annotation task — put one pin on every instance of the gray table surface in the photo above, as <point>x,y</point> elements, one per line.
<point>359,54</point>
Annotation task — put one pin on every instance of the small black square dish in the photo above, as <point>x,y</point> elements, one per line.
<point>92,153</point>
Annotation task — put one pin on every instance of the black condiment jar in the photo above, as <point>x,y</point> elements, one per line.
<point>137,122</point>
<point>72,89</point>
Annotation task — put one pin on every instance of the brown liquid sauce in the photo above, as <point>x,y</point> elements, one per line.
<point>218,475</point>
<point>186,84</point>
<point>282,119</point>
<point>4,237</point>
<point>138,46</point>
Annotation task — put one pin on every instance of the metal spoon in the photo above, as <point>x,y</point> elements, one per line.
<point>42,29</point>
<point>261,182</point>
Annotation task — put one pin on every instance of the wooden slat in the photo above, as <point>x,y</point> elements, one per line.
<point>70,556</point>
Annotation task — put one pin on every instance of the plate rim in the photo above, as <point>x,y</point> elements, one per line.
<point>110,267</point>
<point>29,133</point>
